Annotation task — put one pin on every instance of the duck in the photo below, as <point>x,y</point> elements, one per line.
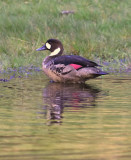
<point>67,68</point>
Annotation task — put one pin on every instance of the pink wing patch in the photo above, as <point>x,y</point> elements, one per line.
<point>76,66</point>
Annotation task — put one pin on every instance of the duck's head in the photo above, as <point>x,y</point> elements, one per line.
<point>54,46</point>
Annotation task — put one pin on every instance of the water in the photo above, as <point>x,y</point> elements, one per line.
<point>42,120</point>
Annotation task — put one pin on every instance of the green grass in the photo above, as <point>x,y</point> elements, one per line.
<point>99,30</point>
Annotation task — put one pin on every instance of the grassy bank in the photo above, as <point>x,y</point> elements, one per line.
<point>98,30</point>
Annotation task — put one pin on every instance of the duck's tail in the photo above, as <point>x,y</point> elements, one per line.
<point>102,73</point>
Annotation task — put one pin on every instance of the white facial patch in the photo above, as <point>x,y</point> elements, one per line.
<point>48,46</point>
<point>55,52</point>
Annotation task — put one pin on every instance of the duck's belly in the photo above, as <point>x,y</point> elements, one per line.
<point>51,74</point>
<point>69,74</point>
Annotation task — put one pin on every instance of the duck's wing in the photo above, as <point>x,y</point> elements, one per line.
<point>74,60</point>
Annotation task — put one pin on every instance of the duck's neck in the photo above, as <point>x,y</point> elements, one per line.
<point>53,55</point>
<point>57,52</point>
<point>47,59</point>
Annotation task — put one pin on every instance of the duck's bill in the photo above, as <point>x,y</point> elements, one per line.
<point>42,48</point>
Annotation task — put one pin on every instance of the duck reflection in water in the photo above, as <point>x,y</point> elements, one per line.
<point>57,96</point>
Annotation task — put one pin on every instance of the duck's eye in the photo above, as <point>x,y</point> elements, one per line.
<point>48,46</point>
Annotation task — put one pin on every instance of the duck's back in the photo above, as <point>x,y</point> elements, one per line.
<point>74,59</point>
<point>71,68</point>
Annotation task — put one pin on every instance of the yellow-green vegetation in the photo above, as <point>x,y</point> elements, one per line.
<point>99,30</point>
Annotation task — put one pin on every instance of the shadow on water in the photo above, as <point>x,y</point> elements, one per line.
<point>58,96</point>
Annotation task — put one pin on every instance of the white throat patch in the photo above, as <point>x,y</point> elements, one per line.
<point>48,46</point>
<point>55,52</point>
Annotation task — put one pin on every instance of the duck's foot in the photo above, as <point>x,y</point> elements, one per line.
<point>51,81</point>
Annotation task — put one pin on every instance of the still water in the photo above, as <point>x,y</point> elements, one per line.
<point>52,121</point>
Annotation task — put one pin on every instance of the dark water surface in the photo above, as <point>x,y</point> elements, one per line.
<point>42,120</point>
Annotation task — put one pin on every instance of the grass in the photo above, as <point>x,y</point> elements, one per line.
<point>98,30</point>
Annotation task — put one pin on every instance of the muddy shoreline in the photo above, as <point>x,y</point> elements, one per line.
<point>29,70</point>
